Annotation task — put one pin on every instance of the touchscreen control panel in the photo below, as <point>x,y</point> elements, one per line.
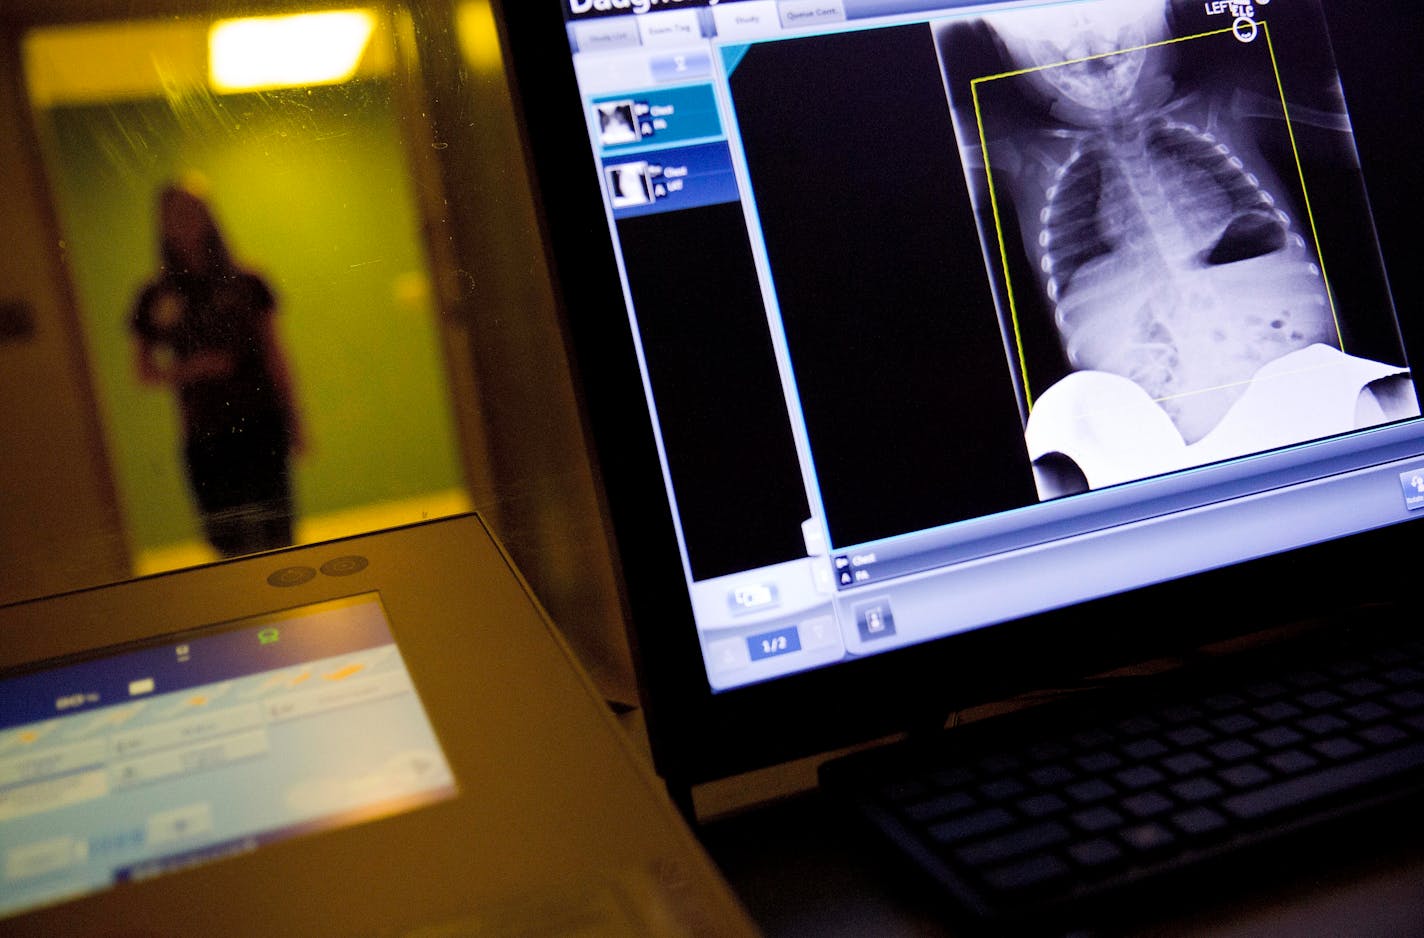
<point>148,759</point>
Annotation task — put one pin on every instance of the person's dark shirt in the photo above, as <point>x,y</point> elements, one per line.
<point>225,315</point>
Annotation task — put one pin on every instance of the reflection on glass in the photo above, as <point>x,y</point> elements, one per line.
<point>312,185</point>
<point>287,51</point>
<point>205,328</point>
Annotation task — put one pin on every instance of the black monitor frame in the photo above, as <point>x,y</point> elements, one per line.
<point>698,735</point>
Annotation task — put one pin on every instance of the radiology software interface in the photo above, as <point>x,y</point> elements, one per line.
<point>920,292</point>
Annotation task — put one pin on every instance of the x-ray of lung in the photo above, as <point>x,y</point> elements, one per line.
<point>1146,175</point>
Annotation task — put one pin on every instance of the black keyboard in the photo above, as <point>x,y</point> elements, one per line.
<point>1059,813</point>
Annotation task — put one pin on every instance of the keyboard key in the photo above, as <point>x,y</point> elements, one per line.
<point>1364,687</point>
<point>1091,739</point>
<point>1348,667</point>
<point>1097,819</point>
<point>1278,737</point>
<point>1048,751</point>
<point>1266,690</point>
<point>971,825</point>
<point>1002,789</point>
<point>1291,761</point>
<point>1148,804</point>
<point>1341,747</point>
<point>1304,789</point>
<point>1186,763</point>
<point>1221,702</point>
<point>1403,676</point>
<point>1013,844</point>
<point>1042,805</point>
<point>1199,821</point>
<point>1138,726</point>
<point>904,791</point>
<point>1322,724</point>
<point>1367,712</point>
<point>1098,762</point>
<point>1143,749</point>
<point>1196,789</point>
<point>1027,874</point>
<point>1051,776</point>
<point>1307,679</point>
<point>1390,656</point>
<point>999,763</point>
<point>1142,776</point>
<point>1320,700</point>
<point>934,808</point>
<point>955,777</point>
<point>1188,736</point>
<point>1232,750</point>
<point>1246,775</point>
<point>1278,711</point>
<point>1181,714</point>
<point>1094,789</point>
<point>1095,853</point>
<point>1235,723</point>
<point>1383,734</point>
<point>1407,700</point>
<point>1148,837</point>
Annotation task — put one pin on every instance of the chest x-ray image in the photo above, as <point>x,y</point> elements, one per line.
<point>617,123</point>
<point>1171,202</point>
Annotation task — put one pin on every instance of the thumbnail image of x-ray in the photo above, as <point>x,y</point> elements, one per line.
<point>628,184</point>
<point>1178,263</point>
<point>617,123</point>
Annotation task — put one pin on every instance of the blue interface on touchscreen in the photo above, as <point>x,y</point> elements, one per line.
<point>145,760</point>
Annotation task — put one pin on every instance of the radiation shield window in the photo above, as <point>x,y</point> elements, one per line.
<point>313,188</point>
<point>142,761</point>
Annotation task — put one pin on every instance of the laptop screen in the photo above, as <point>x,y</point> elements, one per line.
<point>950,313</point>
<point>142,760</point>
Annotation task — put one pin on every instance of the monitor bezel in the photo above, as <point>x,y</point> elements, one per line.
<point>697,734</point>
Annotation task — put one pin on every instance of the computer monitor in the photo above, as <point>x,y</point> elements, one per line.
<point>940,350</point>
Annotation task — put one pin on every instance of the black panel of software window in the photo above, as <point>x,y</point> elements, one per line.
<point>740,496</point>
<point>878,270</point>
<point>1377,46</point>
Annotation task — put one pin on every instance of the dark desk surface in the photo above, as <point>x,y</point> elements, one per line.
<point>802,870</point>
<point>803,867</point>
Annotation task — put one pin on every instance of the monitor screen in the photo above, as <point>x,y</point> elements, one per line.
<point>947,314</point>
<point>141,760</point>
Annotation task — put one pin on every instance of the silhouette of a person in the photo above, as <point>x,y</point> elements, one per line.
<point>204,327</point>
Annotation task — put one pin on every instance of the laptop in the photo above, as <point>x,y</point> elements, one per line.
<point>944,352</point>
<point>381,735</point>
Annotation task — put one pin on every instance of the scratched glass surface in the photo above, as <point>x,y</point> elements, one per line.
<point>317,317</point>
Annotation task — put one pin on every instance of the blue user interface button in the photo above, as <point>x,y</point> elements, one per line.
<point>770,644</point>
<point>1412,482</point>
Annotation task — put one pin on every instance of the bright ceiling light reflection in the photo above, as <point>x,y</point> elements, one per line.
<point>288,51</point>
